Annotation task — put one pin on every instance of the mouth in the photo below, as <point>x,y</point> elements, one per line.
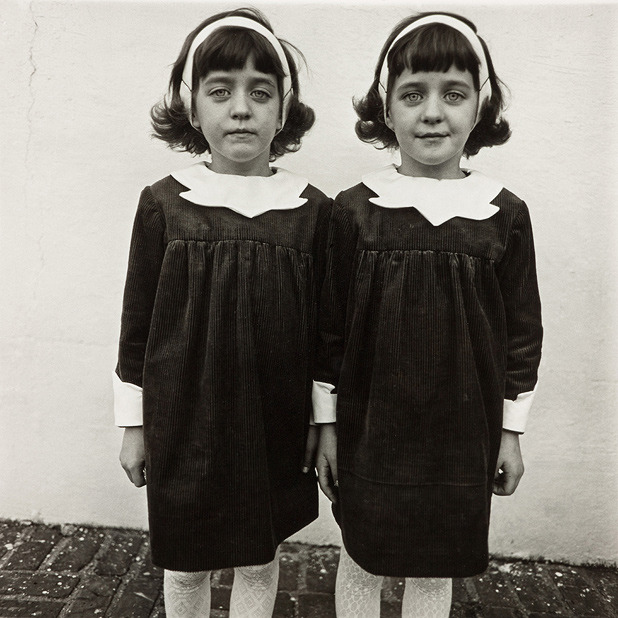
<point>241,132</point>
<point>431,135</point>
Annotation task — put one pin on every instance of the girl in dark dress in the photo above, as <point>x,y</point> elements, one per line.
<point>214,377</point>
<point>430,327</point>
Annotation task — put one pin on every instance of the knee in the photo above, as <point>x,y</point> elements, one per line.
<point>350,574</point>
<point>259,575</point>
<point>180,580</point>
<point>433,586</point>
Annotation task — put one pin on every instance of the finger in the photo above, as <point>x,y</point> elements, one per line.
<point>503,487</point>
<point>323,475</point>
<point>138,476</point>
<point>325,480</point>
<point>329,492</point>
<point>334,486</point>
<point>498,484</point>
<point>512,478</point>
<point>331,462</point>
<point>333,472</point>
<point>133,467</point>
<point>506,482</point>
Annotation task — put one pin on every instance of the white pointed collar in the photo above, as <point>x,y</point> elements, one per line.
<point>249,196</point>
<point>437,200</point>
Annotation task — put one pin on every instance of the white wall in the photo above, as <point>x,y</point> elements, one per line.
<point>78,80</point>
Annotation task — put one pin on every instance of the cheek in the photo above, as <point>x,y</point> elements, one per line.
<point>200,112</point>
<point>471,117</point>
<point>465,122</point>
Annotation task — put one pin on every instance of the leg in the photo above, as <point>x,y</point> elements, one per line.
<point>427,597</point>
<point>187,595</point>
<point>255,590</point>
<point>357,593</point>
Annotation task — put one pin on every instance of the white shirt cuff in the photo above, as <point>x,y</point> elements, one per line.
<point>127,404</point>
<point>324,403</point>
<point>516,412</point>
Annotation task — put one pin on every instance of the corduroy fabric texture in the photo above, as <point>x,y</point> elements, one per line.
<point>424,331</point>
<point>218,328</point>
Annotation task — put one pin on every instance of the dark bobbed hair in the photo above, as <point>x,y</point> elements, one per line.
<point>433,47</point>
<point>227,49</point>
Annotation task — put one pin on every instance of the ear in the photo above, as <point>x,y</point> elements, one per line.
<point>195,123</point>
<point>387,119</point>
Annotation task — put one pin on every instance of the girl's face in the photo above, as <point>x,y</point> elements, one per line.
<point>238,112</point>
<point>432,114</point>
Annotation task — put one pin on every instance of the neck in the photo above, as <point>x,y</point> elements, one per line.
<point>446,171</point>
<point>248,168</point>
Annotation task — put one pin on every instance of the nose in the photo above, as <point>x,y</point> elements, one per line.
<point>239,106</point>
<point>433,110</point>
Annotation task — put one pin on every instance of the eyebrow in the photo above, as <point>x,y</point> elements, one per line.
<point>451,83</point>
<point>223,77</point>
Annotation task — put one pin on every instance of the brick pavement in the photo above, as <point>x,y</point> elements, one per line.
<point>59,571</point>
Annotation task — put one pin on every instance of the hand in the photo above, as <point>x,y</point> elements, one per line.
<point>326,460</point>
<point>310,448</point>
<point>132,455</point>
<point>510,466</point>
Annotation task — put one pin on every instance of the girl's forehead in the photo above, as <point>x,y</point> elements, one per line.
<point>247,70</point>
<point>450,75</point>
<point>240,75</point>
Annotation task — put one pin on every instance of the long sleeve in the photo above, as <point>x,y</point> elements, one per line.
<point>324,401</point>
<point>522,305</point>
<point>333,307</point>
<point>516,412</point>
<point>145,259</point>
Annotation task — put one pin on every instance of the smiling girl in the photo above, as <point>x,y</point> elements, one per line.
<point>431,327</point>
<point>213,382</point>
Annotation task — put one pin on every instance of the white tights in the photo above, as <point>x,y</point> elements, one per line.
<point>187,595</point>
<point>357,593</point>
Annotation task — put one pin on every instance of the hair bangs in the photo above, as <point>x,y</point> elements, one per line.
<point>434,47</point>
<point>229,49</point>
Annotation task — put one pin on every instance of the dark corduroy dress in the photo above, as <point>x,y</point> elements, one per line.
<point>425,331</point>
<point>218,329</point>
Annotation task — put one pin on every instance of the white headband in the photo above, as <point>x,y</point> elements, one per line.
<point>471,36</point>
<point>235,22</point>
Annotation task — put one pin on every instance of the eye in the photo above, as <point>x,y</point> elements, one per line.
<point>454,97</point>
<point>261,95</point>
<point>412,97</point>
<point>219,93</point>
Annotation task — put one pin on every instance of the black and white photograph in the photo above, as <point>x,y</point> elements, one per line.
<point>309,309</point>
